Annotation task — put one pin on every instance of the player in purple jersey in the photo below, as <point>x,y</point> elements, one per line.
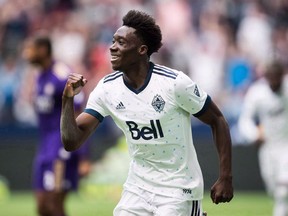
<point>55,169</point>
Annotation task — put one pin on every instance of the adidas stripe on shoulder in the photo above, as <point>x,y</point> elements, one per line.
<point>164,71</point>
<point>112,76</point>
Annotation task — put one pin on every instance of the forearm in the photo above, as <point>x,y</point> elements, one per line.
<point>248,128</point>
<point>222,190</point>
<point>71,134</point>
<point>222,139</point>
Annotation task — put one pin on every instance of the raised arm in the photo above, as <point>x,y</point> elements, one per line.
<point>75,131</point>
<point>222,190</point>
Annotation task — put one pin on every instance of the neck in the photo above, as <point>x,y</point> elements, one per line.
<point>136,76</point>
<point>46,63</point>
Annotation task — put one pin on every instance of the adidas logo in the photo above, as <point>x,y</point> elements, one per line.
<point>120,106</point>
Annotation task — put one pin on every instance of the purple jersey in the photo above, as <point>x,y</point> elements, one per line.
<point>50,86</point>
<point>48,102</point>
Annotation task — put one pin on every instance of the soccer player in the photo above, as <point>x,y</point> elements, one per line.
<point>152,104</point>
<point>55,169</point>
<point>263,121</point>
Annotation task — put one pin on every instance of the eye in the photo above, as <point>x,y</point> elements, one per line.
<point>121,42</point>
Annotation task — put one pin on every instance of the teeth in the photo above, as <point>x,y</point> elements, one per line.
<point>114,57</point>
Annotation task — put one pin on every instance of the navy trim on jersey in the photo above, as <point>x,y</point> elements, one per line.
<point>163,74</point>
<point>112,76</point>
<point>95,114</point>
<point>164,71</point>
<point>206,104</point>
<point>137,91</point>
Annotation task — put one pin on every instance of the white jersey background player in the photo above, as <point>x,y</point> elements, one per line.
<point>264,121</point>
<point>152,104</point>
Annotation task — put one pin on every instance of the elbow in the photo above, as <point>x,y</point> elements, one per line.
<point>69,145</point>
<point>220,121</point>
<point>69,148</point>
<point>221,125</point>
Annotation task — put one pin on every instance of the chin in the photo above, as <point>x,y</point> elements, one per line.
<point>116,67</point>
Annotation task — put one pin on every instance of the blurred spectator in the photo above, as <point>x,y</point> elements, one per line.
<point>14,28</point>
<point>50,5</point>
<point>69,38</point>
<point>10,73</point>
<point>24,101</point>
<point>171,24</point>
<point>254,35</point>
<point>209,49</point>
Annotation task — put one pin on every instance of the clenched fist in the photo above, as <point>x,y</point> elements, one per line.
<point>74,85</point>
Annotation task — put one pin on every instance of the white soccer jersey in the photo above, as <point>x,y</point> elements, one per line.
<point>270,108</point>
<point>156,120</point>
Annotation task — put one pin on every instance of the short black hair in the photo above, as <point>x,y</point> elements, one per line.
<point>44,41</point>
<point>146,29</point>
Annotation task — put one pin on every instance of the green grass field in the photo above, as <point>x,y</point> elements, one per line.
<point>243,204</point>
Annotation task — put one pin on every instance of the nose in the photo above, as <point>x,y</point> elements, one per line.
<point>113,47</point>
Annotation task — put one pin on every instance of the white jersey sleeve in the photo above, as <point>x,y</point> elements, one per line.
<point>190,96</point>
<point>96,102</point>
<point>247,121</point>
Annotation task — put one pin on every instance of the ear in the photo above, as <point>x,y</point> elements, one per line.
<point>142,50</point>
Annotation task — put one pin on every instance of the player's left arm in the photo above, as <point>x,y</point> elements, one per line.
<point>222,190</point>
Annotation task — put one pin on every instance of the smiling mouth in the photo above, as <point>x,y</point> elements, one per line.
<point>114,58</point>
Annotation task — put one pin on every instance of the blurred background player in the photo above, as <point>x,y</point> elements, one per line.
<point>264,122</point>
<point>56,171</point>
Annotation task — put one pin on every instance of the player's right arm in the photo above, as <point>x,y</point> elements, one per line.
<point>249,129</point>
<point>75,131</point>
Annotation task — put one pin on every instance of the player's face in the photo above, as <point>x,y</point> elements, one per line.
<point>125,49</point>
<point>30,53</point>
<point>274,79</point>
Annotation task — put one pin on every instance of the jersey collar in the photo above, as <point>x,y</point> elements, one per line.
<point>137,91</point>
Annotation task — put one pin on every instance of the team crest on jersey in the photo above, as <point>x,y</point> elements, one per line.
<point>49,89</point>
<point>196,91</point>
<point>158,103</point>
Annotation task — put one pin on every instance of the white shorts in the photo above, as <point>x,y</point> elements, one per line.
<point>273,166</point>
<point>145,203</point>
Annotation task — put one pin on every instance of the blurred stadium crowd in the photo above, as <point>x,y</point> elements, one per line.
<point>223,45</point>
